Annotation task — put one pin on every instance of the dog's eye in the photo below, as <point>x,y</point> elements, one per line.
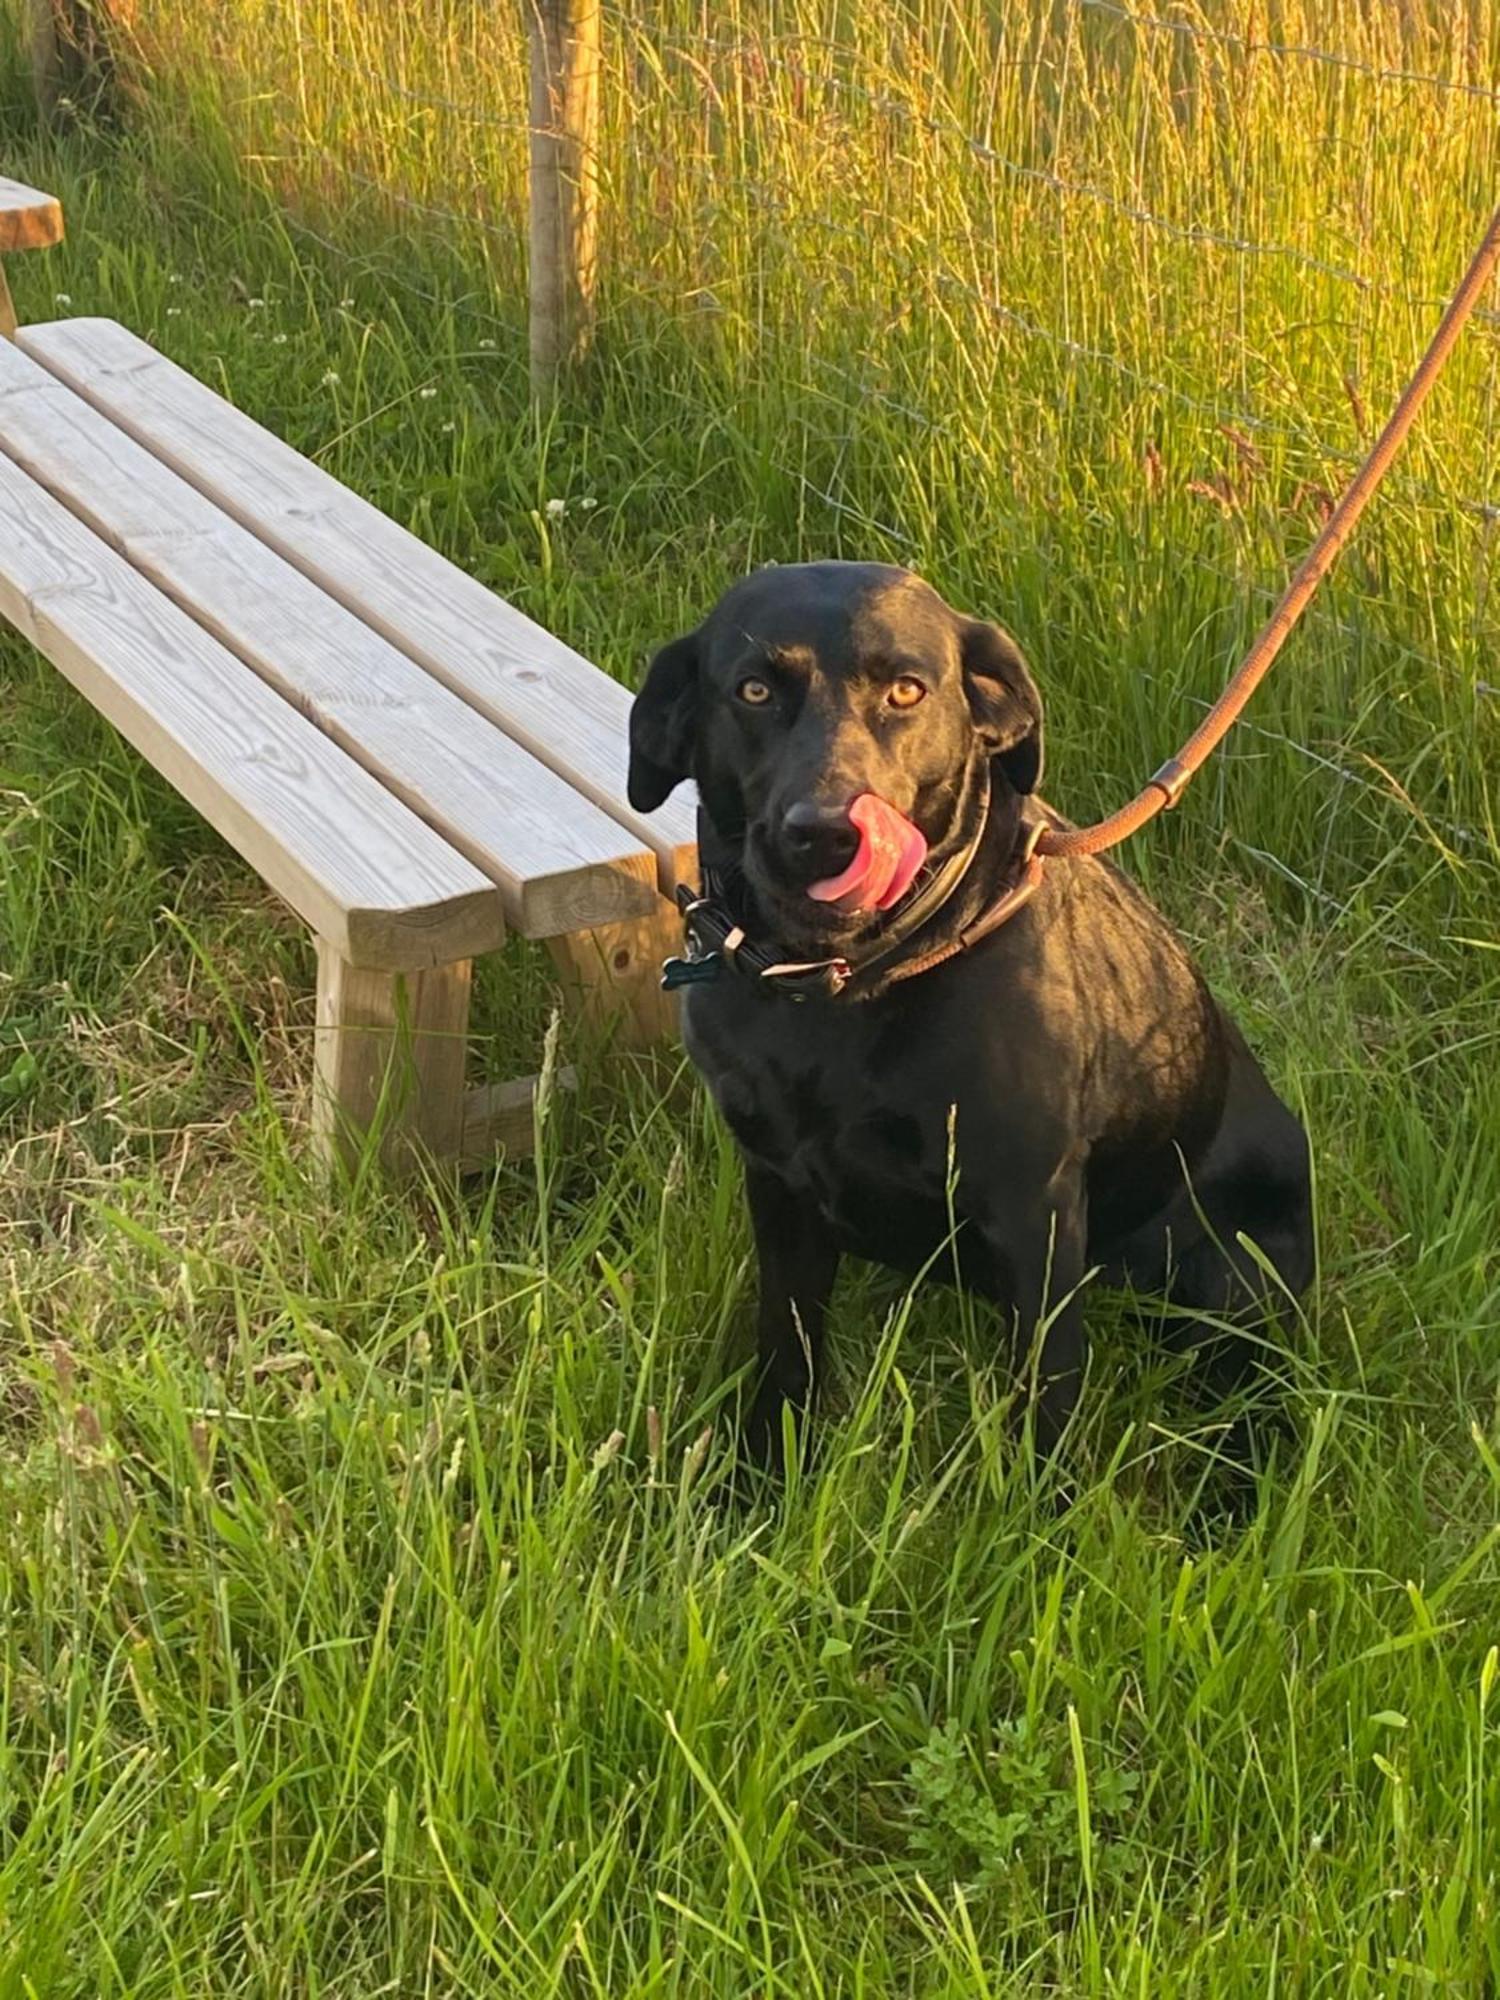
<point>905,693</point>
<point>754,692</point>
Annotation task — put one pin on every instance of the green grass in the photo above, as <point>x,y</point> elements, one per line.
<point>368,1619</point>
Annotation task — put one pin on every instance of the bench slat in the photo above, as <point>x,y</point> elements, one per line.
<point>562,865</point>
<point>360,868</point>
<point>28,220</point>
<point>566,711</point>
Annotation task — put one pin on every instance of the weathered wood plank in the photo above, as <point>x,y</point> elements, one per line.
<point>561,863</point>
<point>538,690</point>
<point>359,866</point>
<point>29,220</point>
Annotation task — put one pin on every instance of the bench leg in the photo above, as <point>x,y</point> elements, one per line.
<point>7,310</point>
<point>392,1042</point>
<point>615,973</point>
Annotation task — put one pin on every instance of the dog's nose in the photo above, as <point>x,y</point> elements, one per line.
<point>822,839</point>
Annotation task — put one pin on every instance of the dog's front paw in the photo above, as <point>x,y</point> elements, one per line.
<point>775,1425</point>
<point>763,1434</point>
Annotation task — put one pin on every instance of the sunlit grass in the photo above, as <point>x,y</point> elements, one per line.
<point>369,1621</point>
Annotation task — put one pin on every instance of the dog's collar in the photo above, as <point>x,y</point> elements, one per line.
<point>717,942</point>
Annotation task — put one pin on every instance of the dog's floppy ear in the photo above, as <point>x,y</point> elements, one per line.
<point>663,723</point>
<point>1003,700</point>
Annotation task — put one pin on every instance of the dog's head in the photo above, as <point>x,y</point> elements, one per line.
<point>811,691</point>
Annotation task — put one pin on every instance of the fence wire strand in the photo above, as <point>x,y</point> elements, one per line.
<point>983,150</point>
<point>1288,51</point>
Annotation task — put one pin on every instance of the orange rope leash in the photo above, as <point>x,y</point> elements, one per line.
<point>1169,783</point>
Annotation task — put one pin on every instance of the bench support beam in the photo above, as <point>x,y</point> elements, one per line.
<point>615,971</point>
<point>389,1045</point>
<point>500,1118</point>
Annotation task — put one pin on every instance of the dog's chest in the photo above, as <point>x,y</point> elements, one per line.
<point>814,1095</point>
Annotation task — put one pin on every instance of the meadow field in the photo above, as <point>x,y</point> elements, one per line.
<point>369,1620</point>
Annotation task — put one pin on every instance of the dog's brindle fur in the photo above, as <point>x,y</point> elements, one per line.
<point>1068,1090</point>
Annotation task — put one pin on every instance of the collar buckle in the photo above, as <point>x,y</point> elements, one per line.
<point>823,976</point>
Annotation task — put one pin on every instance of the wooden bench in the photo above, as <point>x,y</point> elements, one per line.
<point>412,764</point>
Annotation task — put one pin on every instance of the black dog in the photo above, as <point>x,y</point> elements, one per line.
<point>1062,1084</point>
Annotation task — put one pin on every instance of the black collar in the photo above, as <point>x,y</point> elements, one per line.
<point>718,944</point>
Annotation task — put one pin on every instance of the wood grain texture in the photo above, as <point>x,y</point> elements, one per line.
<point>560,862</point>
<point>29,220</point>
<point>389,1052</point>
<point>614,973</point>
<point>538,690</point>
<point>357,865</point>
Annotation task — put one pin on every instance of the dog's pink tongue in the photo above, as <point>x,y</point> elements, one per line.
<point>891,850</point>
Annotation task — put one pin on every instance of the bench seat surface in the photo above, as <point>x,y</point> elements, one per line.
<point>359,866</point>
<point>528,683</point>
<point>561,863</point>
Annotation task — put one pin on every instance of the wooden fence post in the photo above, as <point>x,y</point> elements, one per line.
<point>75,52</point>
<point>565,53</point>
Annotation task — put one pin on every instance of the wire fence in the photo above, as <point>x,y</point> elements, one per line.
<point>773,125</point>
<point>983,151</point>
<point>1226,412</point>
<point>1287,51</point>
<point>989,156</point>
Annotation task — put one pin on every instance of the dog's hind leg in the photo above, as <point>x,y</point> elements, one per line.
<point>1233,1302</point>
<point>1036,1253</point>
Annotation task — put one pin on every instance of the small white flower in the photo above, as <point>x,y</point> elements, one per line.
<point>449,427</point>
<point>489,344</point>
<point>555,509</point>
<point>278,340</point>
<point>174,312</point>
<point>257,305</point>
<point>331,378</point>
<point>347,304</point>
<point>427,394</point>
<point>588,505</point>
<point>62,298</point>
<point>174,277</point>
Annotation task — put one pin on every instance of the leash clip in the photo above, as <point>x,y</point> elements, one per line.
<point>696,967</point>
